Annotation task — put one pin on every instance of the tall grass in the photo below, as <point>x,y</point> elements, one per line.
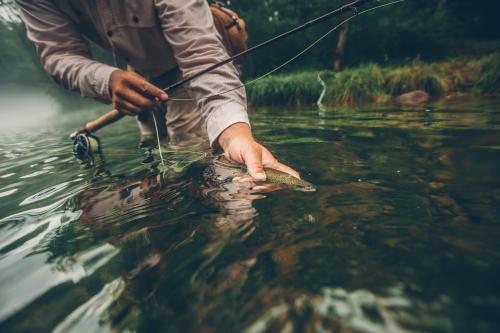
<point>288,89</point>
<point>374,84</point>
<point>417,76</point>
<point>360,85</point>
<point>489,75</point>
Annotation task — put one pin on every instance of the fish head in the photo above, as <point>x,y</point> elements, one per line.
<point>305,187</point>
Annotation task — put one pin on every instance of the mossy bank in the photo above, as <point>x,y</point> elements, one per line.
<point>372,83</point>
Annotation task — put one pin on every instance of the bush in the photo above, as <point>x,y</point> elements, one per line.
<point>355,86</point>
<point>489,75</point>
<point>373,84</point>
<point>417,76</point>
<point>288,89</point>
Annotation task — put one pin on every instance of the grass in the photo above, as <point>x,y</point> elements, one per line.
<point>374,84</point>
<point>489,75</point>
<point>291,89</point>
<point>360,85</point>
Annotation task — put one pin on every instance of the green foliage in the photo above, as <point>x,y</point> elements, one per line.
<point>374,84</point>
<point>489,75</point>
<point>359,85</point>
<point>417,76</point>
<point>292,89</point>
<point>428,29</point>
<point>18,61</point>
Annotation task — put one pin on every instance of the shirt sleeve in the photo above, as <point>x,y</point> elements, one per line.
<point>188,27</point>
<point>63,51</point>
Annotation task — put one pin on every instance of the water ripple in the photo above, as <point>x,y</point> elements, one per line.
<point>44,194</point>
<point>9,192</point>
<point>358,311</point>
<point>34,174</point>
<point>91,316</point>
<point>8,175</point>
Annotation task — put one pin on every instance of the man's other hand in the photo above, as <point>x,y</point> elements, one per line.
<point>240,146</point>
<point>132,94</point>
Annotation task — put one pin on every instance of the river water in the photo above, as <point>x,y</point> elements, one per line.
<point>402,234</point>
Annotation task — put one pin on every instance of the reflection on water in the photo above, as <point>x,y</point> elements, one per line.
<point>401,235</point>
<point>335,309</point>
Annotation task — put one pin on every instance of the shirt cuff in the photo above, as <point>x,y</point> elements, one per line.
<point>224,116</point>
<point>100,82</point>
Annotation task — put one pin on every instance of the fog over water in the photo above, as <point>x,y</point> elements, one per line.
<point>23,110</point>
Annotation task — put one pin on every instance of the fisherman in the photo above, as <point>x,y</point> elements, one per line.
<point>157,39</point>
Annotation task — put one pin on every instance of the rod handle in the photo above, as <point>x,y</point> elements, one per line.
<point>103,121</point>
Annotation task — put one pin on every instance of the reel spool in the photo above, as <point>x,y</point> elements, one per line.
<point>86,146</point>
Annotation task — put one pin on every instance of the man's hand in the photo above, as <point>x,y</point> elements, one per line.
<point>132,94</point>
<point>240,146</point>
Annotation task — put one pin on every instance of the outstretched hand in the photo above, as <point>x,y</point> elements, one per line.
<point>240,146</point>
<point>132,93</point>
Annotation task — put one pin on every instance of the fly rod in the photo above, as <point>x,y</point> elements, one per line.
<point>115,115</point>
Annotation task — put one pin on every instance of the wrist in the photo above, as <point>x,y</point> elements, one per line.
<point>114,78</point>
<point>237,131</point>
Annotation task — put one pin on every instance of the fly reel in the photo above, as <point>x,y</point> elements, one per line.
<point>86,146</point>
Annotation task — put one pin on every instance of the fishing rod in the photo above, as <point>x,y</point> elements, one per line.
<point>115,115</point>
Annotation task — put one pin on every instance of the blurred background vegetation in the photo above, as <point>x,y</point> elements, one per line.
<point>407,34</point>
<point>429,30</point>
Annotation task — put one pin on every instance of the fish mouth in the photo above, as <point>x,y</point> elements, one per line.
<point>306,189</point>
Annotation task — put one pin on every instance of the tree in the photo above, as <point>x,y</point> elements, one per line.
<point>340,49</point>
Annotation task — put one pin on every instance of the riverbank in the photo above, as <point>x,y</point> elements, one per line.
<point>373,83</point>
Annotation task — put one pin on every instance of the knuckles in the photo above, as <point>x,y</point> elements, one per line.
<point>119,91</point>
<point>145,104</point>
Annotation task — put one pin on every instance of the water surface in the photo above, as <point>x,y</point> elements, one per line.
<point>401,235</point>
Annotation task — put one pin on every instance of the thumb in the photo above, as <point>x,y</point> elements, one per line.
<point>253,161</point>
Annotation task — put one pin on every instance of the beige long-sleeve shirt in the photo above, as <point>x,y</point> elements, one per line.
<point>152,36</point>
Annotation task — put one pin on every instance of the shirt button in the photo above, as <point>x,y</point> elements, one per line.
<point>109,33</point>
<point>135,18</point>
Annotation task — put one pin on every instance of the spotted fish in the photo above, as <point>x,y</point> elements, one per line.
<point>273,176</point>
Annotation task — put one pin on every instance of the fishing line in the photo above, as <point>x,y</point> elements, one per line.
<point>82,143</point>
<point>158,138</point>
<point>294,57</point>
<point>316,42</point>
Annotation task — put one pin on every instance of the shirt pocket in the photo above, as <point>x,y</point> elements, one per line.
<point>134,13</point>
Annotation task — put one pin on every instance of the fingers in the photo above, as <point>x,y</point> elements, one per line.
<point>253,161</point>
<point>132,94</point>
<point>145,88</point>
<point>283,168</point>
<point>248,182</point>
<point>271,162</point>
<point>240,146</point>
<point>267,188</point>
<point>127,108</point>
<point>139,101</point>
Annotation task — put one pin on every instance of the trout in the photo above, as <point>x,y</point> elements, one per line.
<point>273,176</point>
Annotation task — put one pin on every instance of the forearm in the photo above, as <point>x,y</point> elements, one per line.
<point>79,73</point>
<point>63,52</point>
<point>188,27</point>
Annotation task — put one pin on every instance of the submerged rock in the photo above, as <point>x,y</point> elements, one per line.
<point>416,97</point>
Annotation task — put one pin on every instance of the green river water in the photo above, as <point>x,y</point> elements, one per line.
<point>402,234</point>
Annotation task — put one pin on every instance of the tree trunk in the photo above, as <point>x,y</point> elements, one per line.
<point>338,58</point>
<point>441,5</point>
<point>339,51</point>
